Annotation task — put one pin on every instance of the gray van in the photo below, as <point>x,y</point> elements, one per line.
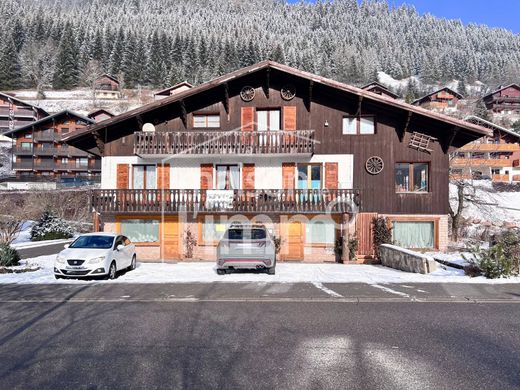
<point>246,246</point>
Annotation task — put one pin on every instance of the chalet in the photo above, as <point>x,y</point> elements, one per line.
<point>100,115</point>
<point>39,154</point>
<point>379,89</point>
<point>504,100</point>
<point>496,156</point>
<point>444,98</point>
<point>107,87</point>
<point>16,113</point>
<point>314,159</point>
<point>180,87</point>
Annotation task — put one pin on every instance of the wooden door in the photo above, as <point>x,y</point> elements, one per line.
<point>295,241</point>
<point>364,233</point>
<point>171,239</point>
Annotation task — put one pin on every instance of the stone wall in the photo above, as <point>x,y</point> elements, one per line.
<point>406,260</point>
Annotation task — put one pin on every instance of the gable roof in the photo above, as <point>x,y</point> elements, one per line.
<point>23,103</point>
<point>502,88</point>
<point>490,125</point>
<point>100,111</point>
<point>378,84</point>
<point>178,85</point>
<point>455,93</point>
<point>113,78</point>
<point>49,118</point>
<point>81,137</point>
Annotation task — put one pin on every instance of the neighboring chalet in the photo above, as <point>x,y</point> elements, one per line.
<point>16,113</point>
<point>40,155</point>
<point>444,98</point>
<point>180,87</point>
<point>504,100</point>
<point>107,87</point>
<point>100,115</point>
<point>379,89</point>
<point>314,159</point>
<point>496,156</point>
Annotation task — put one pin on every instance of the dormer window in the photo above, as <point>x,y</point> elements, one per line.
<point>358,125</point>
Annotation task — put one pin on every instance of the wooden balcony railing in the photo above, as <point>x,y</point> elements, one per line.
<point>224,142</point>
<point>476,147</point>
<point>480,162</point>
<point>22,151</point>
<point>223,201</point>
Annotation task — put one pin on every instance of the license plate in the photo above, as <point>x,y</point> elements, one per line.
<point>74,267</point>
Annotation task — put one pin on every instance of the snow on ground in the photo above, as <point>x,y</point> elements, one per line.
<point>25,234</point>
<point>285,273</point>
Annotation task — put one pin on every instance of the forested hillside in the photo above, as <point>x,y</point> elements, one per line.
<point>65,43</point>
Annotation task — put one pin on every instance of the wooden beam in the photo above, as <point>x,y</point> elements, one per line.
<point>184,113</point>
<point>359,105</point>
<point>139,122</point>
<point>405,127</point>
<point>309,96</point>
<point>267,85</point>
<point>226,97</point>
<point>447,142</point>
<point>100,143</point>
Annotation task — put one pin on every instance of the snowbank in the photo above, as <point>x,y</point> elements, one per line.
<point>285,273</point>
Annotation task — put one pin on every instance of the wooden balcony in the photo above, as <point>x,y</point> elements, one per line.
<point>499,177</point>
<point>480,162</point>
<point>189,143</point>
<point>223,201</point>
<point>474,147</point>
<point>21,151</point>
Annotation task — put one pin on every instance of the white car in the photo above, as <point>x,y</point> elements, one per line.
<point>95,254</point>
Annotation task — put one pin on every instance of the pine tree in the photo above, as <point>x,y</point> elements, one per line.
<point>10,71</point>
<point>66,75</point>
<point>516,126</point>
<point>481,110</point>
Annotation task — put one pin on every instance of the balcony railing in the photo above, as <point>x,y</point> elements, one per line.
<point>480,162</point>
<point>23,164</point>
<point>224,142</point>
<point>45,137</point>
<point>223,201</point>
<point>70,151</point>
<point>21,151</point>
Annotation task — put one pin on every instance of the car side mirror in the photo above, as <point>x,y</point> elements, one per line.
<point>120,247</point>
<point>66,246</point>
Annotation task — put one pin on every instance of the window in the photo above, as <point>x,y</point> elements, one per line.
<point>268,120</point>
<point>27,135</point>
<point>309,176</point>
<point>26,145</point>
<point>411,177</point>
<point>413,234</point>
<point>321,231</point>
<point>64,160</point>
<point>358,125</point>
<point>206,121</point>
<point>81,162</point>
<point>228,177</point>
<point>144,177</point>
<point>141,230</point>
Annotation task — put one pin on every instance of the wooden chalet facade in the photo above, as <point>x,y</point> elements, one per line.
<point>39,154</point>
<point>444,98</point>
<point>504,100</point>
<point>100,115</point>
<point>379,89</point>
<point>496,156</point>
<point>314,159</point>
<point>15,113</point>
<point>107,87</point>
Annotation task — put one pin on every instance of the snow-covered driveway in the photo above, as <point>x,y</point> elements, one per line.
<point>285,273</point>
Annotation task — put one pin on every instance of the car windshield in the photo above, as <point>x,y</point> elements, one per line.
<point>246,234</point>
<point>93,242</point>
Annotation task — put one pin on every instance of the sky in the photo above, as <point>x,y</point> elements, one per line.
<point>494,13</point>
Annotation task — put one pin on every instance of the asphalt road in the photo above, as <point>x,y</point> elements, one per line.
<point>258,336</point>
<point>52,249</point>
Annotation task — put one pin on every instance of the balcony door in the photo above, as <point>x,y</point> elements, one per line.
<point>309,176</point>
<point>144,177</point>
<point>228,177</point>
<point>267,120</point>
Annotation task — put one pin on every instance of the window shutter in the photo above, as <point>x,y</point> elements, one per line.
<point>288,176</point>
<point>163,177</point>
<point>289,118</point>
<point>206,176</point>
<point>331,175</point>
<point>248,176</point>
<point>122,176</point>
<point>247,118</point>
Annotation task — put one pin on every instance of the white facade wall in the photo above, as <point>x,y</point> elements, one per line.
<point>185,172</point>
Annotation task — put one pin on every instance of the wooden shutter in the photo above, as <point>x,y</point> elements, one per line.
<point>331,175</point>
<point>122,176</point>
<point>163,177</point>
<point>206,176</point>
<point>289,118</point>
<point>248,176</point>
<point>288,176</point>
<point>247,118</point>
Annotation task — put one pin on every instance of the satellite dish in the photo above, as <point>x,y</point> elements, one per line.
<point>148,127</point>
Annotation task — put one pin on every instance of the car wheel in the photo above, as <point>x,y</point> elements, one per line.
<point>271,271</point>
<point>221,271</point>
<point>112,271</point>
<point>133,264</point>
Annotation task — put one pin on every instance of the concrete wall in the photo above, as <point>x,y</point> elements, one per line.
<point>406,260</point>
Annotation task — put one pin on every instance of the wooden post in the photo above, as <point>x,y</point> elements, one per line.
<point>345,237</point>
